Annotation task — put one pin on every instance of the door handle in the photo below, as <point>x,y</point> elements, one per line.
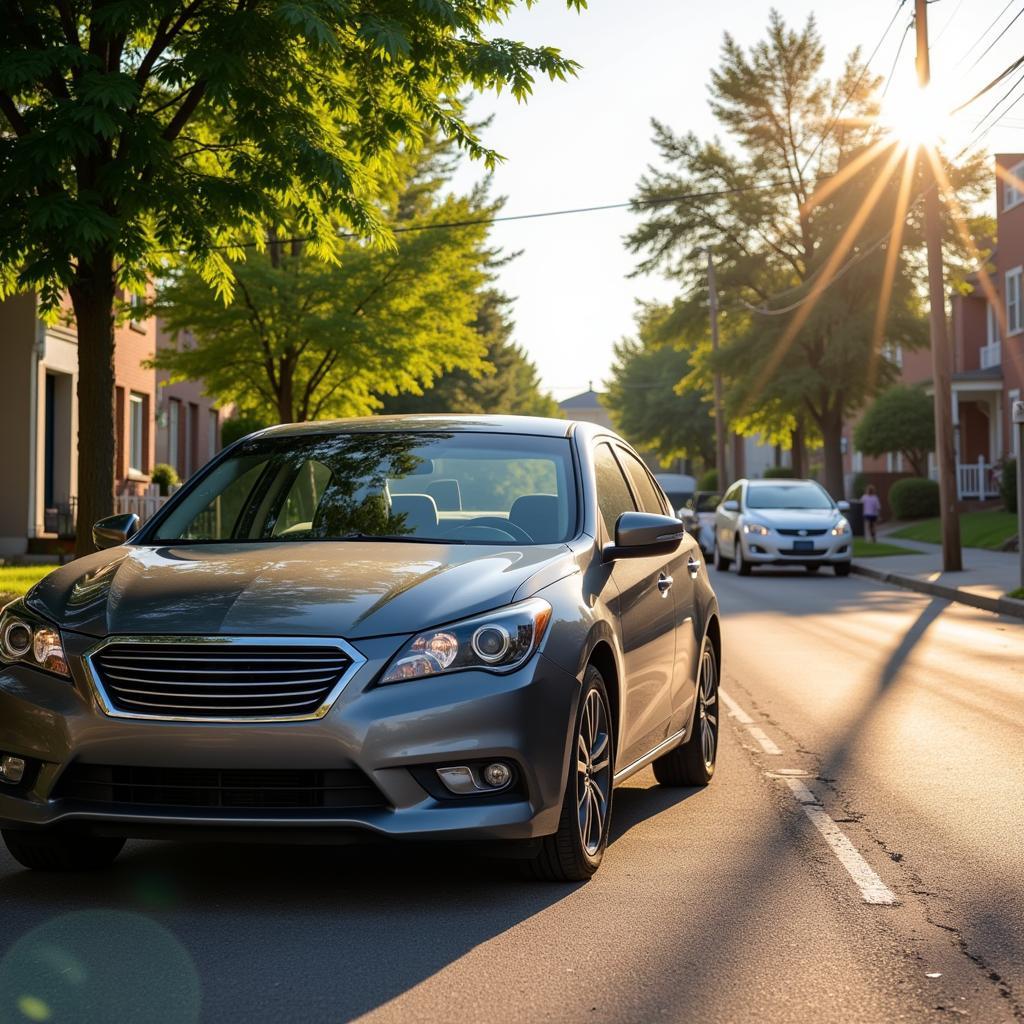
<point>694,566</point>
<point>664,584</point>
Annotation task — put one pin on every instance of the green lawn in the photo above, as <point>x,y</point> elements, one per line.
<point>1018,593</point>
<point>16,579</point>
<point>867,549</point>
<point>987,529</point>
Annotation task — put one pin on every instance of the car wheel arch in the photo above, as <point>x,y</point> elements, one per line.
<point>602,657</point>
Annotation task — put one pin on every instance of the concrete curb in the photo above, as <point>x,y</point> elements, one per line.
<point>999,605</point>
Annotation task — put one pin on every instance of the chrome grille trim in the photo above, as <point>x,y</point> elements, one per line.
<point>246,705</point>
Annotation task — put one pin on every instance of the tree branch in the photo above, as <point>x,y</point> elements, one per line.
<point>193,98</point>
<point>10,110</point>
<point>165,33</point>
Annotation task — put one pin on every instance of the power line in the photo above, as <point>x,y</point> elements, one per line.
<point>998,103</point>
<point>991,24</point>
<point>896,59</point>
<point>1006,28</point>
<point>991,85</point>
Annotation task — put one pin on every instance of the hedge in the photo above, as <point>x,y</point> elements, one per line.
<point>779,473</point>
<point>914,498</point>
<point>708,480</point>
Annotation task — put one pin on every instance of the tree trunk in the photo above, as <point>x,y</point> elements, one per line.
<point>832,434</point>
<point>92,296</point>
<point>799,451</point>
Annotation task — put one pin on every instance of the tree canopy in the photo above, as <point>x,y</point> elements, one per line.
<point>900,419</point>
<point>813,210</point>
<point>506,382</point>
<point>654,396</point>
<point>144,132</point>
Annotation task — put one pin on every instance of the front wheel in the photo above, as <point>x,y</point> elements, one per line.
<point>842,568</point>
<point>742,565</point>
<point>693,763</point>
<point>721,562</point>
<point>55,850</point>
<point>575,851</point>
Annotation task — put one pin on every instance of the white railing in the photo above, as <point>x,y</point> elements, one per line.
<point>145,506</point>
<point>976,480</point>
<point>991,355</point>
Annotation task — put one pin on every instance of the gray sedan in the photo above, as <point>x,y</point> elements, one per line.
<point>461,628</point>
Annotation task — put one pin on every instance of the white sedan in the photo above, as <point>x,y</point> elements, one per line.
<point>781,522</point>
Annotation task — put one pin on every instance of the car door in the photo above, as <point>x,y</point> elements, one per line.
<point>683,567</point>
<point>727,523</point>
<point>646,614</point>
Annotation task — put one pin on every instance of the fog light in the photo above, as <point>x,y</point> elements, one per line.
<point>12,769</point>
<point>497,775</point>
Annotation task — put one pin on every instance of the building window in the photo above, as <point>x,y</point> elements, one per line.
<point>1013,310</point>
<point>174,434</point>
<point>1013,194</point>
<point>993,324</point>
<point>136,432</point>
<point>893,351</point>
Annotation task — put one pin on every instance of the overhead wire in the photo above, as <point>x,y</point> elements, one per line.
<point>985,32</point>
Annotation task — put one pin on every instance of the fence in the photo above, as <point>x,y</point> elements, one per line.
<point>145,506</point>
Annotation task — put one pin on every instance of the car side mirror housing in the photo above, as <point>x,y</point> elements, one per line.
<point>731,505</point>
<point>643,535</point>
<point>114,530</point>
<point>843,506</point>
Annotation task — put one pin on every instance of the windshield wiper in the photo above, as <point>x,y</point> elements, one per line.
<point>398,538</point>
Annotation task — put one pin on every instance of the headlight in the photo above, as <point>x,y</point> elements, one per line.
<point>499,641</point>
<point>757,529</point>
<point>25,638</point>
<point>841,528</point>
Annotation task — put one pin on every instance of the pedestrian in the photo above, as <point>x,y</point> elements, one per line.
<point>872,508</point>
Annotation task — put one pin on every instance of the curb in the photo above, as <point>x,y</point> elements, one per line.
<point>999,605</point>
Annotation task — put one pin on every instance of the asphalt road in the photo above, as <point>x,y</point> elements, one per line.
<point>902,716</point>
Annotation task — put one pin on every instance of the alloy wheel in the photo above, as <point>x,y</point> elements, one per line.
<point>593,772</point>
<point>707,709</point>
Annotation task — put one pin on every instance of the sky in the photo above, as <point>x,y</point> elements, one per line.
<point>587,141</point>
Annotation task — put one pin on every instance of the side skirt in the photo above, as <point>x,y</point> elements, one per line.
<point>638,765</point>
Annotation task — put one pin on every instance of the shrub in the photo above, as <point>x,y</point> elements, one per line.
<point>779,473</point>
<point>1008,484</point>
<point>708,480</point>
<point>914,498</point>
<point>165,477</point>
<point>860,481</point>
<point>238,426</point>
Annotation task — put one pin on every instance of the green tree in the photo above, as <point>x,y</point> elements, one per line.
<point>506,383</point>
<point>138,132</point>
<point>899,420</point>
<point>654,396</point>
<point>814,228</point>
<point>302,339</point>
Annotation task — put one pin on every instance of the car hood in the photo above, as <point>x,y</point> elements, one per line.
<point>794,518</point>
<point>345,589</point>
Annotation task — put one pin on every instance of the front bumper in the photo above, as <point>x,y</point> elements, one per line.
<point>391,733</point>
<point>777,549</point>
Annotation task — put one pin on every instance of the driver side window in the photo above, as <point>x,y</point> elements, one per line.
<point>613,497</point>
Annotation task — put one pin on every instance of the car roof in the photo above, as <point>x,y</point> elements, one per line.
<point>780,481</point>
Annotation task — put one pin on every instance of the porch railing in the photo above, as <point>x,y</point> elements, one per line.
<point>145,506</point>
<point>991,355</point>
<point>976,480</point>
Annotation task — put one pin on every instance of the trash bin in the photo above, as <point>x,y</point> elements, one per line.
<point>855,516</point>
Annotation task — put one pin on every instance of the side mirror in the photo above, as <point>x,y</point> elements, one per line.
<point>732,505</point>
<point>843,506</point>
<point>114,530</point>
<point>644,534</point>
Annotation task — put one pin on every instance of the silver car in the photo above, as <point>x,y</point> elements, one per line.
<point>782,522</point>
<point>413,628</point>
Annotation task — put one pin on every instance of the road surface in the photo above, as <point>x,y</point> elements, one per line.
<point>858,857</point>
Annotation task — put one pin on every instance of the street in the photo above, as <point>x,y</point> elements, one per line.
<point>906,715</point>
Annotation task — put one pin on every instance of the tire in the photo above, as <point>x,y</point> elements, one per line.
<point>842,568</point>
<point>812,568</point>
<point>693,763</point>
<point>721,562</point>
<point>743,567</point>
<point>567,856</point>
<point>54,850</point>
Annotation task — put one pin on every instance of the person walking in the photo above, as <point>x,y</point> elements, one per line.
<point>872,509</point>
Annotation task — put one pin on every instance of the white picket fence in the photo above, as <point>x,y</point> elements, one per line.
<point>974,479</point>
<point>145,506</point>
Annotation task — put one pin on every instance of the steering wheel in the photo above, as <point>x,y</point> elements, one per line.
<point>496,524</point>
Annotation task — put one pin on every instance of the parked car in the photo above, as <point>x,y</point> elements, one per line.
<point>679,487</point>
<point>698,516</point>
<point>304,641</point>
<point>782,522</point>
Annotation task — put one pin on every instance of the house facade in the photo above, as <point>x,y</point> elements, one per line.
<point>39,420</point>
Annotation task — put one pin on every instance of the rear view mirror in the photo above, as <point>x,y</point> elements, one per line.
<point>843,506</point>
<point>731,505</point>
<point>643,534</point>
<point>114,530</point>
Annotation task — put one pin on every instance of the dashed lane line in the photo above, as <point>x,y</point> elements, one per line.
<point>872,889</point>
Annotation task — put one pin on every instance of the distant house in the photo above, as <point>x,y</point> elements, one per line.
<point>587,407</point>
<point>39,420</point>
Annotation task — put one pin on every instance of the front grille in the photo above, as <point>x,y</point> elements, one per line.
<point>229,788</point>
<point>218,680</point>
<point>808,551</point>
<point>801,533</point>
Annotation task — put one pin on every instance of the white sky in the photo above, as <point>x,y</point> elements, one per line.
<point>586,141</point>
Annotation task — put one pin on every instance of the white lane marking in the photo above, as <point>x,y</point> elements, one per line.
<point>763,740</point>
<point>872,888</point>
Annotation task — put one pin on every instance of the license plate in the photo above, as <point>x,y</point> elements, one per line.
<point>803,545</point>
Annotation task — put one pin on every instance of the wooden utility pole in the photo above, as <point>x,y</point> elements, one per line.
<point>942,361</point>
<point>720,457</point>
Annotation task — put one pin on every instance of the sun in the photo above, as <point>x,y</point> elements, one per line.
<point>918,117</point>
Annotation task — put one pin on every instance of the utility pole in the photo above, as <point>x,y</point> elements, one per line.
<point>942,362</point>
<point>720,456</point>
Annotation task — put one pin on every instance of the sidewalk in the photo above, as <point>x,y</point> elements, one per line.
<point>986,579</point>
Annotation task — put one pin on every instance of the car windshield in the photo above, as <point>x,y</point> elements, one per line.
<point>446,487</point>
<point>802,495</point>
<point>707,502</point>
